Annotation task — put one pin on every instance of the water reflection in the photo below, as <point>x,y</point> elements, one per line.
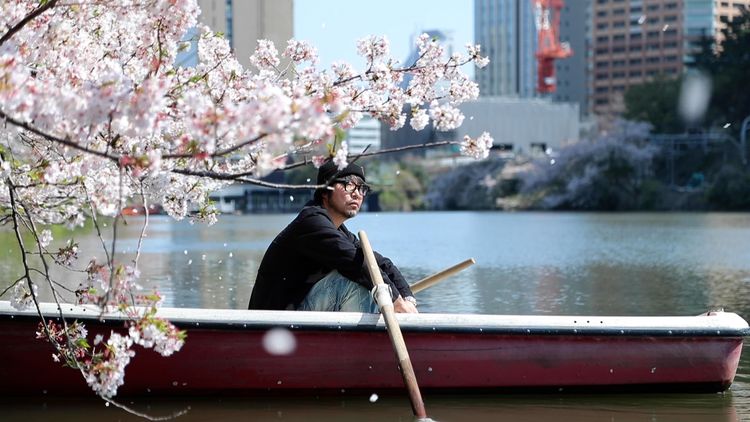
<point>527,263</point>
<point>357,406</point>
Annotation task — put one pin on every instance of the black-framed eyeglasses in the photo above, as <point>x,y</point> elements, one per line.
<point>350,186</point>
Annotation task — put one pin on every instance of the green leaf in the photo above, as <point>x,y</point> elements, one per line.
<point>339,135</point>
<point>81,342</point>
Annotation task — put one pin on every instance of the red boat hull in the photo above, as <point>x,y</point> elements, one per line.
<point>232,359</point>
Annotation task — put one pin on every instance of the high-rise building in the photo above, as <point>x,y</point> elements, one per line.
<point>633,41</point>
<point>706,18</point>
<point>505,29</point>
<point>572,72</point>
<point>244,22</point>
<point>365,135</point>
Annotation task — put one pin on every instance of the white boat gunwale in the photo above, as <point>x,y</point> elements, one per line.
<point>713,324</point>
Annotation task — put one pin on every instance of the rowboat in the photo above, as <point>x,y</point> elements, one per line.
<point>335,352</point>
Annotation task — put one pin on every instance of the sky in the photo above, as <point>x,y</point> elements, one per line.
<point>334,26</point>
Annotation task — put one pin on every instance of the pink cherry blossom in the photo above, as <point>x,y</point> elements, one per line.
<point>96,113</point>
<point>478,148</point>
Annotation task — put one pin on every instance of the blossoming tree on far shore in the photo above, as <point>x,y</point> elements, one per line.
<point>94,113</point>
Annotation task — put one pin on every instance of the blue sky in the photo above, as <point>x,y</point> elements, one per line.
<point>334,26</point>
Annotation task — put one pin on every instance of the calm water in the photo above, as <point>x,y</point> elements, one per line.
<point>527,263</point>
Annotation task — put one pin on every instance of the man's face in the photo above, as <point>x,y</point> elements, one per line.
<point>343,202</point>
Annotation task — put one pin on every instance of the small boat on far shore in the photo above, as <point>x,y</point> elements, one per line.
<point>224,352</point>
<point>153,209</point>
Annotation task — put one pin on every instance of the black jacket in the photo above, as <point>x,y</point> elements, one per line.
<point>304,252</point>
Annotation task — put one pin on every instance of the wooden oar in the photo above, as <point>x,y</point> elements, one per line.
<point>394,331</point>
<point>439,276</point>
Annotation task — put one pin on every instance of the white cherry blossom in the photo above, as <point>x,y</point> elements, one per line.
<point>95,113</point>
<point>478,148</point>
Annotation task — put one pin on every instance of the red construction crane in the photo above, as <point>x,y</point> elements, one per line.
<point>549,47</point>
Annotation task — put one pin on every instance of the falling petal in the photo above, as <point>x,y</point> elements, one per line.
<point>279,341</point>
<point>694,95</point>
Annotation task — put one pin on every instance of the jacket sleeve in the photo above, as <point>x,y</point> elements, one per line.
<point>389,271</point>
<point>398,281</point>
<point>319,240</point>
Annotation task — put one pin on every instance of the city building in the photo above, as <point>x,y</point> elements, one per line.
<point>244,22</point>
<point>365,135</point>
<point>506,31</point>
<point>518,122</point>
<point>633,41</point>
<point>572,72</point>
<point>521,125</point>
<point>706,18</point>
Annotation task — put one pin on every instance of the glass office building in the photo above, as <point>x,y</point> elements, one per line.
<point>505,29</point>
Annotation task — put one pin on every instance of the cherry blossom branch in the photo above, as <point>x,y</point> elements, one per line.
<point>158,46</point>
<point>116,158</point>
<point>30,17</point>
<point>197,78</point>
<point>144,199</point>
<point>13,284</point>
<point>241,177</point>
<point>45,265</point>
<point>306,161</point>
<point>111,261</point>
<point>221,153</point>
<point>26,267</point>
<point>56,139</point>
<point>97,228</point>
<point>57,283</point>
<point>409,147</point>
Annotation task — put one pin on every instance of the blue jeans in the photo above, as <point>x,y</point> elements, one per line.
<point>334,292</point>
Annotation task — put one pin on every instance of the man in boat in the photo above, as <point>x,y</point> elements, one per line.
<point>317,264</point>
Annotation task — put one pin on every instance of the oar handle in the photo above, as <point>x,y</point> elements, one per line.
<point>394,331</point>
<point>437,277</point>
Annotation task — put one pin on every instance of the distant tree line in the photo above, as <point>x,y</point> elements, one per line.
<point>620,170</point>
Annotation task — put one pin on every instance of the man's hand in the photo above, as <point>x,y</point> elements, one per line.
<point>404,307</point>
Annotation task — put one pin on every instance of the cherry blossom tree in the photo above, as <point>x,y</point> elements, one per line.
<point>95,113</point>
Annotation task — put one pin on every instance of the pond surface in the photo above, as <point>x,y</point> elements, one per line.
<point>527,263</point>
